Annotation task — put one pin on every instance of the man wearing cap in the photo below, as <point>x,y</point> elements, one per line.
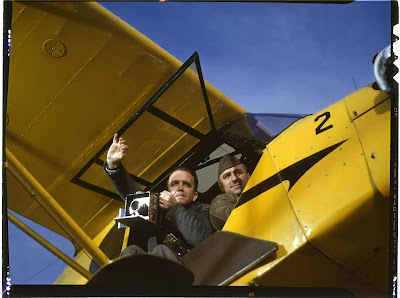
<point>232,178</point>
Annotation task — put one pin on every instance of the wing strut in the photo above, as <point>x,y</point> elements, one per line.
<point>40,194</point>
<point>50,247</point>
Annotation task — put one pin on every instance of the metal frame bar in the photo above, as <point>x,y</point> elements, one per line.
<point>126,238</point>
<point>215,160</point>
<point>135,178</point>
<point>246,268</point>
<point>40,194</point>
<point>209,144</point>
<point>203,88</point>
<point>50,247</point>
<point>174,122</point>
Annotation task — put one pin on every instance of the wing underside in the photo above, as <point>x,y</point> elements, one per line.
<point>78,74</point>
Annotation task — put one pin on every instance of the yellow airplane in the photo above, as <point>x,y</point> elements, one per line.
<point>315,212</point>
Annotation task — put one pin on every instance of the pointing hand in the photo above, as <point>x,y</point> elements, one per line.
<point>117,152</point>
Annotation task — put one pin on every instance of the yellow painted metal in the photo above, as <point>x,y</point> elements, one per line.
<point>54,250</point>
<point>63,110</point>
<point>269,216</point>
<point>335,187</point>
<point>309,267</point>
<point>51,206</point>
<point>70,277</point>
<point>332,225</point>
<point>126,237</point>
<point>373,129</point>
<point>259,217</point>
<point>363,100</point>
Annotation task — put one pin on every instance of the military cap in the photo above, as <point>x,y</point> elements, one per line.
<point>228,161</point>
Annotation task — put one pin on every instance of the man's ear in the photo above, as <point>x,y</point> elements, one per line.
<point>248,175</point>
<point>220,186</point>
<point>195,196</point>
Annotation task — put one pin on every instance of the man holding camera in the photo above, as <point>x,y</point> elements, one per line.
<point>232,179</point>
<point>187,219</point>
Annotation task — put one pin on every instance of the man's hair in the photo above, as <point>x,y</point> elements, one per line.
<point>185,169</point>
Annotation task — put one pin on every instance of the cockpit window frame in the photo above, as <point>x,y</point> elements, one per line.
<point>148,107</point>
<point>249,147</point>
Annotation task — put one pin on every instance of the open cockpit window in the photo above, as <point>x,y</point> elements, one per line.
<point>175,127</point>
<point>162,131</point>
<point>207,170</point>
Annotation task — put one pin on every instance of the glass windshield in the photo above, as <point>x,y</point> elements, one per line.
<point>261,127</point>
<point>207,170</point>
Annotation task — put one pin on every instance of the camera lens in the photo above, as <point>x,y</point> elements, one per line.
<point>140,208</point>
<point>143,210</point>
<point>179,251</point>
<point>134,205</point>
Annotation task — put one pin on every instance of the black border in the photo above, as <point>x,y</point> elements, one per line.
<point>394,147</point>
<point>7,16</point>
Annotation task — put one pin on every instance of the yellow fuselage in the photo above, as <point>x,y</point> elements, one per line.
<point>329,210</point>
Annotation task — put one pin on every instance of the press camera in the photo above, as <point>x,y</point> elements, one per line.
<point>138,207</point>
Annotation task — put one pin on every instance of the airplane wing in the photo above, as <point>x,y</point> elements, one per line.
<point>79,74</point>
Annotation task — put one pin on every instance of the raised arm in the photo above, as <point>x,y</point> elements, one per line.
<point>119,176</point>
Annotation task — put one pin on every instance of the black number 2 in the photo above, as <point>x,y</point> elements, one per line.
<point>320,129</point>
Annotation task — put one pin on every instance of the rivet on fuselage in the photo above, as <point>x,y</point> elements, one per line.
<point>373,155</point>
<point>355,113</point>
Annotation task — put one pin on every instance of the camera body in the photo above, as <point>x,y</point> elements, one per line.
<point>142,212</point>
<point>175,244</point>
<point>139,207</point>
<point>142,204</point>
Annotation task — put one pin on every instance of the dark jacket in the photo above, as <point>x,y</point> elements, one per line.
<point>191,224</point>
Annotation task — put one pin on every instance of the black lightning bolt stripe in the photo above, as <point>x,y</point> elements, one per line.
<point>291,173</point>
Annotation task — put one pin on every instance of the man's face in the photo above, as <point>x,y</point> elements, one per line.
<point>181,185</point>
<point>234,179</point>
